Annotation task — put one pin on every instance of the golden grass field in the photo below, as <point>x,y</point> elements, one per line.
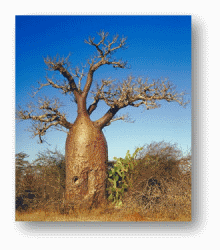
<point>126,217</point>
<point>179,213</point>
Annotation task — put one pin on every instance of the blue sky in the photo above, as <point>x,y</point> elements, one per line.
<point>158,46</point>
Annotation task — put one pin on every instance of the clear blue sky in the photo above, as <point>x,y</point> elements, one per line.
<point>158,46</point>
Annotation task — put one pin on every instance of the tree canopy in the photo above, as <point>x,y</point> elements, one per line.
<point>116,94</point>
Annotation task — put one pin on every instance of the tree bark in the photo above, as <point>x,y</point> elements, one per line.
<point>86,163</point>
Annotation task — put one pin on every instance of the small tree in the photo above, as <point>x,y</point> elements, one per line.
<point>25,182</point>
<point>51,181</point>
<point>20,167</point>
<point>86,148</point>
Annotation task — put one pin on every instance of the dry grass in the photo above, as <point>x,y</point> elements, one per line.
<point>159,191</point>
<point>124,213</point>
<point>172,202</point>
<point>96,216</point>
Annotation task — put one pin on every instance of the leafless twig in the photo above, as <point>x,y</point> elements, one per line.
<point>48,116</point>
<point>133,92</point>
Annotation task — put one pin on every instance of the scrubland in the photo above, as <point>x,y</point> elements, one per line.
<point>158,188</point>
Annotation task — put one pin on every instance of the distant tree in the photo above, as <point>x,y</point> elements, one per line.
<point>19,160</point>
<point>86,147</point>
<point>23,180</point>
<point>20,167</point>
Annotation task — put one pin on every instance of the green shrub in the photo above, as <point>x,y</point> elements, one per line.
<point>120,176</point>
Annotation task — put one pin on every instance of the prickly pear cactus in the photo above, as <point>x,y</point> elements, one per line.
<point>120,177</point>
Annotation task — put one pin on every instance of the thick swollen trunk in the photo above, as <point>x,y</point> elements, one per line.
<point>86,164</point>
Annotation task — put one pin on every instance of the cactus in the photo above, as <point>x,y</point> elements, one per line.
<point>120,177</point>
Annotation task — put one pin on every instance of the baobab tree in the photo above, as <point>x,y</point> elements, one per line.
<point>86,152</point>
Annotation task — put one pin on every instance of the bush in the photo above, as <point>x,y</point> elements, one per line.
<point>42,183</point>
<point>120,177</point>
<point>162,173</point>
<point>156,176</point>
<point>158,161</point>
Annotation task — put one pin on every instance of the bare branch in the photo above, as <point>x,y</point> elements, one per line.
<point>134,92</point>
<point>105,51</point>
<point>61,65</point>
<point>67,85</point>
<point>65,88</point>
<point>93,106</point>
<point>125,118</point>
<point>97,95</point>
<point>107,48</point>
<point>79,74</point>
<point>130,92</point>
<point>48,116</point>
<point>102,122</point>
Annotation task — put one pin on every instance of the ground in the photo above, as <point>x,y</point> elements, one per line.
<point>106,214</point>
